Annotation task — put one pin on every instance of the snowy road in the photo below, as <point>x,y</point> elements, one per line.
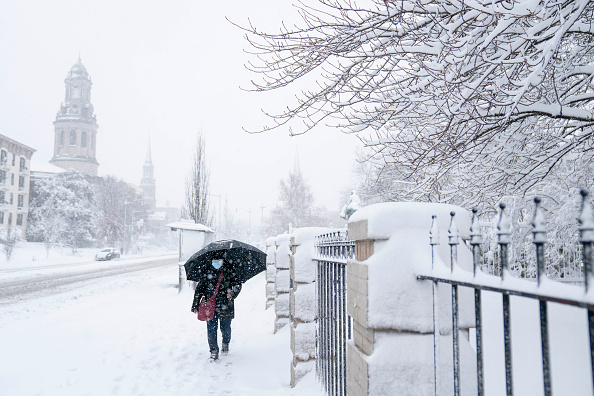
<point>133,334</point>
<point>50,279</point>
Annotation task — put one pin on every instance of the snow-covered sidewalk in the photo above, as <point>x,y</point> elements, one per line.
<point>134,334</point>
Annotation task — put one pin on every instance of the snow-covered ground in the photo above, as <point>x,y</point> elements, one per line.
<point>33,255</point>
<point>134,334</point>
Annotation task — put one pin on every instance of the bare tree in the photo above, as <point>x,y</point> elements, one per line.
<point>296,207</point>
<point>119,208</point>
<point>197,204</point>
<point>229,228</point>
<point>455,97</point>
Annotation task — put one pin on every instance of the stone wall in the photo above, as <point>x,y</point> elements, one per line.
<point>282,280</point>
<point>392,350</point>
<point>270,271</point>
<point>303,303</point>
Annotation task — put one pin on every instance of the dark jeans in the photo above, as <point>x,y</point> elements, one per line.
<point>211,329</point>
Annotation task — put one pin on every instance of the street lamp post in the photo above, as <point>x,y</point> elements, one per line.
<point>126,233</point>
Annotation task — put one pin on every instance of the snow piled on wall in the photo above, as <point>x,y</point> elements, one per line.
<point>282,280</point>
<point>305,341</point>
<point>308,234</point>
<point>283,251</point>
<point>386,218</point>
<point>305,302</point>
<point>270,273</point>
<point>401,363</point>
<point>396,299</point>
<point>270,250</point>
<point>281,304</point>
<point>304,269</point>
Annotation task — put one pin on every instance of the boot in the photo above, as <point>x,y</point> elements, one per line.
<point>225,349</point>
<point>214,356</point>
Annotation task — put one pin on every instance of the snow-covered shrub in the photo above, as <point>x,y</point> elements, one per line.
<point>9,238</point>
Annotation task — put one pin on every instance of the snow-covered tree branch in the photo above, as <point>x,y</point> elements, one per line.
<point>453,93</point>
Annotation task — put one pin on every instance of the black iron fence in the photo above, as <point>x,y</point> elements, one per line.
<point>334,325</point>
<point>564,257</point>
<point>570,295</point>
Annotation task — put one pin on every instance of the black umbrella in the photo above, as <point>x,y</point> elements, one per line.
<point>247,260</point>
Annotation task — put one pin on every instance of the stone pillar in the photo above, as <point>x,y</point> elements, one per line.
<point>392,352</point>
<point>303,301</point>
<point>282,280</point>
<point>270,271</point>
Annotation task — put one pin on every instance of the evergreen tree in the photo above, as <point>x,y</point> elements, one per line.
<point>63,211</point>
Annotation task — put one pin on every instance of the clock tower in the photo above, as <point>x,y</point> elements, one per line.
<point>76,125</point>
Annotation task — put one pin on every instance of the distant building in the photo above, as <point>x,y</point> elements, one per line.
<point>76,125</point>
<point>15,173</point>
<point>147,183</point>
<point>43,170</point>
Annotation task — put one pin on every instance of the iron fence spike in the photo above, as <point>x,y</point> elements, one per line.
<point>476,236</point>
<point>454,235</point>
<point>586,219</point>
<point>504,226</point>
<point>453,241</point>
<point>540,238</point>
<point>539,222</point>
<point>434,232</point>
<point>586,227</point>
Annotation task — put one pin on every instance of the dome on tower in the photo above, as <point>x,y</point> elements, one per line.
<point>78,69</point>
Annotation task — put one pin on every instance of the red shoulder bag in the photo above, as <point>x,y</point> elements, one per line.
<point>206,309</point>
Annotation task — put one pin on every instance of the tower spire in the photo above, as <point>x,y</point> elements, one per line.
<point>149,159</point>
<point>147,183</point>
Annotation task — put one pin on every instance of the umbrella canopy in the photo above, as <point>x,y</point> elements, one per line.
<point>247,260</point>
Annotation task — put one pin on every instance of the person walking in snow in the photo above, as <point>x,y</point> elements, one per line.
<point>229,289</point>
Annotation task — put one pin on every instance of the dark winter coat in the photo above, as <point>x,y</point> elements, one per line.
<point>229,284</point>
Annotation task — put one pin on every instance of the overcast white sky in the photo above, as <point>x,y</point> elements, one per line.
<point>168,70</point>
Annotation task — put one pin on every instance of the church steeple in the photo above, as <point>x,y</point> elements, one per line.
<point>76,126</point>
<point>147,183</point>
<point>148,160</point>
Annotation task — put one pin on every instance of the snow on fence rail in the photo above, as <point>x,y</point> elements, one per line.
<point>544,291</point>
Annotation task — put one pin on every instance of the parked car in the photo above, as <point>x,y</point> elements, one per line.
<point>107,254</point>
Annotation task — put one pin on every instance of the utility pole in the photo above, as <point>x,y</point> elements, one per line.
<point>262,215</point>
